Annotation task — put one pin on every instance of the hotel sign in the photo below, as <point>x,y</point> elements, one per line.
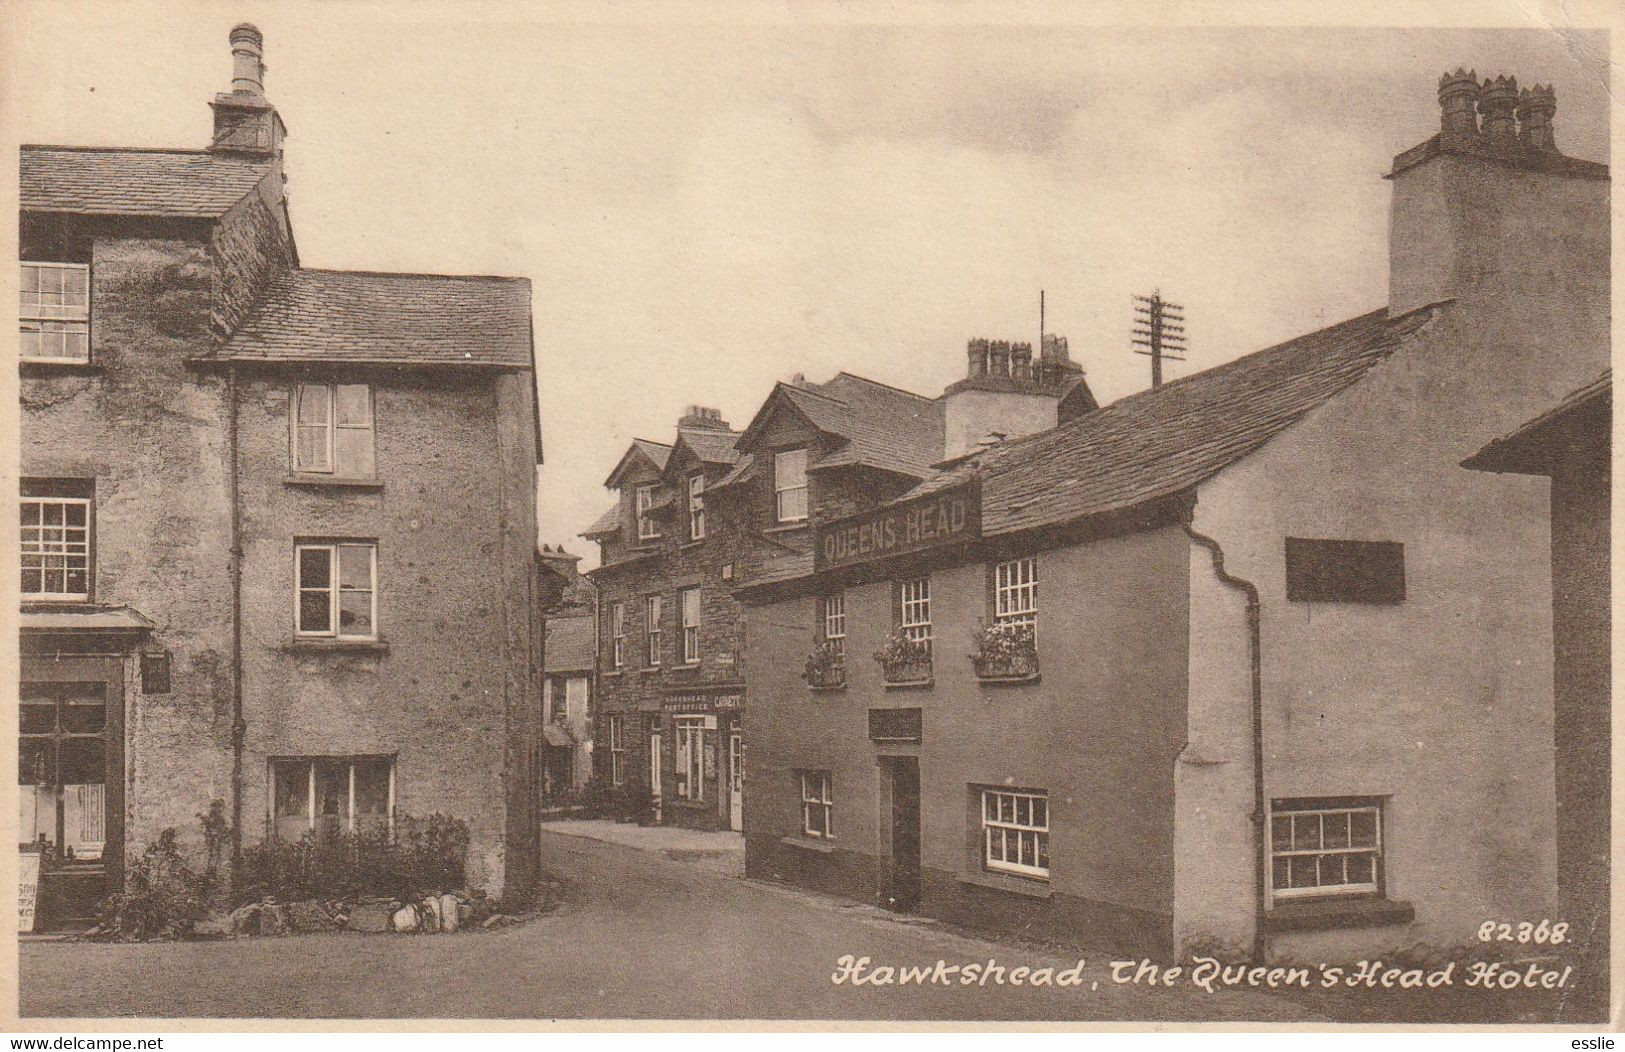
<point>936,520</point>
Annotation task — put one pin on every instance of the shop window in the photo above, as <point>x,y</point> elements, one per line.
<point>333,430</point>
<point>617,749</point>
<point>693,759</point>
<point>62,767</point>
<point>1325,847</point>
<point>54,315</point>
<point>332,796</point>
<point>1015,831</point>
<point>817,805</point>
<point>790,485</point>
<point>337,593</point>
<point>55,540</point>
<point>1325,571</point>
<point>691,625</point>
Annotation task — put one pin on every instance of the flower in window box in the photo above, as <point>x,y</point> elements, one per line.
<point>904,659</point>
<point>825,667</point>
<point>1004,650</point>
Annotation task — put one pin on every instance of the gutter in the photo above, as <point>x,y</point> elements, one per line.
<point>1254,656</point>
<point>239,728</point>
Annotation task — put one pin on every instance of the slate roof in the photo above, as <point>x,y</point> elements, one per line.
<point>1532,448</point>
<point>608,522</point>
<point>402,319</point>
<point>710,446</point>
<point>569,646</point>
<point>115,181</point>
<point>741,472</point>
<point>884,427</point>
<point>1163,441</point>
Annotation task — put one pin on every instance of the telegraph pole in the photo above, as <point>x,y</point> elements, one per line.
<point>1160,328</point>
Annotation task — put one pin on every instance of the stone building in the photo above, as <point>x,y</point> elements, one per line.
<point>569,665</point>
<point>279,538</point>
<point>717,507</point>
<point>1246,662</point>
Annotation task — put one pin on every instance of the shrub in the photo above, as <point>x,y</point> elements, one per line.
<point>425,855</point>
<point>161,896</point>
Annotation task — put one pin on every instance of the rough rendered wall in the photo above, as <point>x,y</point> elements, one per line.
<point>250,245</point>
<point>969,416</point>
<point>151,432</point>
<point>441,697</point>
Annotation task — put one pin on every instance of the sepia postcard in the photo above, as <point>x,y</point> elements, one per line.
<point>794,516</point>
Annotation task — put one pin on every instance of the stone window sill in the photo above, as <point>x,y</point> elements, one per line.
<point>330,481</point>
<point>1032,888</point>
<point>64,368</point>
<point>911,684</point>
<point>1328,913</point>
<point>787,527</point>
<point>616,672</point>
<point>807,843</point>
<point>686,545</point>
<point>336,646</point>
<point>1009,681</point>
<point>826,688</point>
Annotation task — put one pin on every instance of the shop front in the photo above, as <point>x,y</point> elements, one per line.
<point>699,777</point>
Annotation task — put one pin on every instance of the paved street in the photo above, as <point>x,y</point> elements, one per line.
<point>659,931</point>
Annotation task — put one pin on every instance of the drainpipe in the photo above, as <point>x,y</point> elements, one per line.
<point>1254,650</point>
<point>239,728</point>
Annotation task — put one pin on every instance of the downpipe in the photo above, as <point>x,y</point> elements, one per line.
<point>239,727</point>
<point>1255,663</point>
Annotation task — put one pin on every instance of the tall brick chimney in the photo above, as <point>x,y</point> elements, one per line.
<point>244,122</point>
<point>1489,207</point>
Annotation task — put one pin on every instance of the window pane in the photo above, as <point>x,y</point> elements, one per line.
<point>352,405</point>
<point>84,761</point>
<point>315,611</point>
<point>1363,829</point>
<point>1362,869</point>
<point>353,453</point>
<point>355,566</point>
<point>355,613</point>
<point>1304,871</point>
<point>1335,830</point>
<point>371,795</point>
<point>1306,832</point>
<point>1281,832</point>
<point>315,568</point>
<point>84,716</point>
<point>313,404</point>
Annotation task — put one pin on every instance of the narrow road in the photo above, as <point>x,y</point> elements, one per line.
<point>641,935</point>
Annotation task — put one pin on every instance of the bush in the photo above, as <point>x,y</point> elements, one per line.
<point>161,896</point>
<point>425,855</point>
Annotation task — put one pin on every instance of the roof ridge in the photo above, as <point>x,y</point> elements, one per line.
<point>411,274</point>
<point>889,387</point>
<point>815,393</point>
<point>132,149</point>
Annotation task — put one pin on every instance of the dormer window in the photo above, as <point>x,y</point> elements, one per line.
<point>54,314</point>
<point>696,507</point>
<point>648,529</point>
<point>790,485</point>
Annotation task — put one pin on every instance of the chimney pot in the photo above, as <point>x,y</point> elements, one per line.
<point>976,358</point>
<point>1458,95</point>
<point>1496,102</point>
<point>247,54</point>
<point>1536,108</point>
<point>998,358</point>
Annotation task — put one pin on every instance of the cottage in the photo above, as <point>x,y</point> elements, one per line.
<point>278,543</point>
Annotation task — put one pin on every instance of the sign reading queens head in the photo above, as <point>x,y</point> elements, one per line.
<point>949,516</point>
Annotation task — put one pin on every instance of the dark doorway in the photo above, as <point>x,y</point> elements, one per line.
<point>902,891</point>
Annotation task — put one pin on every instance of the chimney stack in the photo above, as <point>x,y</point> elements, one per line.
<point>1536,108</point>
<point>247,58</point>
<point>1458,101</point>
<point>1496,102</point>
<point>244,122</point>
<point>1021,361</point>
<point>704,418</point>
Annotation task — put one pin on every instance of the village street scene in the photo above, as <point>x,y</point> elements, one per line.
<point>807,542</point>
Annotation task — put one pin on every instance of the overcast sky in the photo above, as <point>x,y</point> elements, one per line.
<point>709,208</point>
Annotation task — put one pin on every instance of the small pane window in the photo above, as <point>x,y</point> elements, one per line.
<point>696,507</point>
<point>1015,831</point>
<point>617,635</point>
<point>336,590</point>
<point>617,749</point>
<point>915,604</point>
<point>833,621</point>
<point>817,805</point>
<point>1321,848</point>
<point>651,627</point>
<point>55,543</point>
<point>54,313</point>
<point>647,527</point>
<point>691,625</point>
<point>1015,593</point>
